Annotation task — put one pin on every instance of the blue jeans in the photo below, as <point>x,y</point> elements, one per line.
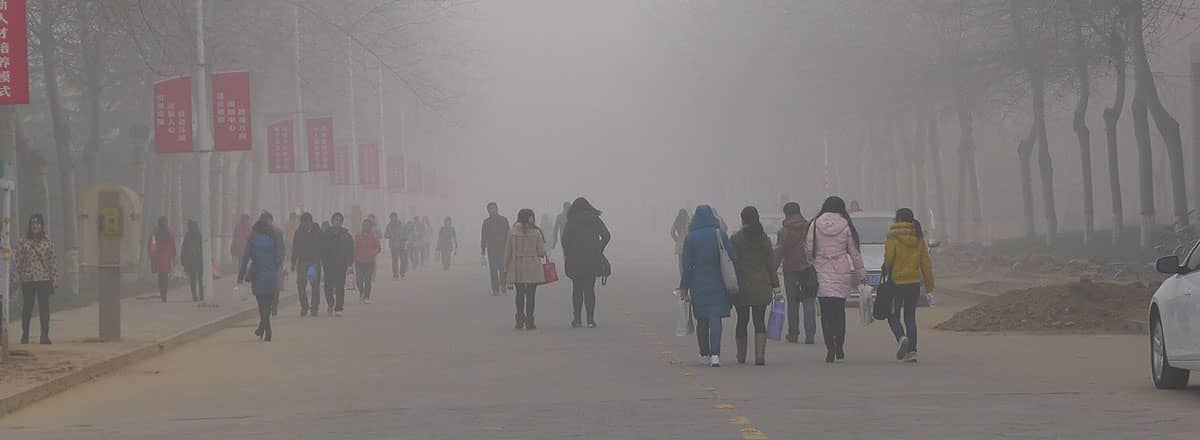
<point>905,301</point>
<point>708,334</point>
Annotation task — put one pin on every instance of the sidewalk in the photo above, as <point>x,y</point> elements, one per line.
<point>148,326</point>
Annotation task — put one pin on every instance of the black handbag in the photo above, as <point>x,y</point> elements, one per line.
<point>605,270</point>
<point>885,297</point>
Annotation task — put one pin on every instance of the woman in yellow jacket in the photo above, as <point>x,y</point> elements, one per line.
<point>906,258</point>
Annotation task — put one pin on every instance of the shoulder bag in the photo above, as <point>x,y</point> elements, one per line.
<point>728,272</point>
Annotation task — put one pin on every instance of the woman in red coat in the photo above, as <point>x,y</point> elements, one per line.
<point>162,255</point>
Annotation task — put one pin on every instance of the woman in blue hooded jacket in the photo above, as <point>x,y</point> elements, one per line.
<point>263,259</point>
<point>701,281</point>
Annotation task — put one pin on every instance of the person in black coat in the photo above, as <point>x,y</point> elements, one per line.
<point>192,260</point>
<point>584,238</point>
<point>493,237</point>
<point>337,254</point>
<point>306,254</point>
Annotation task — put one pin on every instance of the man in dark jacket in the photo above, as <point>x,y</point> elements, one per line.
<point>306,254</point>
<point>799,277</point>
<point>397,237</point>
<point>492,241</point>
<point>337,253</point>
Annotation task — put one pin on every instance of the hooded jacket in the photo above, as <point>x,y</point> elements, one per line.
<point>836,255</point>
<point>907,256</point>
<point>755,268</point>
<point>584,238</point>
<point>701,266</point>
<point>266,253</point>
<point>523,254</point>
<point>789,245</point>
<point>337,248</point>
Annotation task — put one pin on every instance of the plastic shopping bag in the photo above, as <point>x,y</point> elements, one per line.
<point>776,321</point>
<point>865,305</point>
<point>685,324</point>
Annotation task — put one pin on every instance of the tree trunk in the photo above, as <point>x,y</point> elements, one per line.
<point>48,46</point>
<point>919,169</point>
<point>93,72</point>
<point>1025,156</point>
<point>1082,133</point>
<point>1034,64</point>
<point>1168,127</point>
<point>939,191</point>
<point>1111,116</point>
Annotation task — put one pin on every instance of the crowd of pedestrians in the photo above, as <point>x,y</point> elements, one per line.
<point>820,260</point>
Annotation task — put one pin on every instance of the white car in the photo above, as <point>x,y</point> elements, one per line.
<point>1174,321</point>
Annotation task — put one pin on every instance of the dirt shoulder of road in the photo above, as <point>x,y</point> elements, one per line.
<point>1073,307</point>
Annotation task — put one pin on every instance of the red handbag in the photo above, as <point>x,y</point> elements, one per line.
<point>550,271</point>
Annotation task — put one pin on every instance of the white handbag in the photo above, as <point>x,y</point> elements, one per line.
<point>728,272</point>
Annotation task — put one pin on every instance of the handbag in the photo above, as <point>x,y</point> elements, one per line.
<point>549,271</point>
<point>776,321</point>
<point>885,295</point>
<point>728,272</point>
<point>605,270</point>
<point>685,324</point>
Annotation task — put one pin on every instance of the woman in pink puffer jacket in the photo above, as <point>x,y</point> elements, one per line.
<point>833,245</point>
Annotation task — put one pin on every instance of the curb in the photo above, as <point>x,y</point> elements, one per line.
<point>11,403</point>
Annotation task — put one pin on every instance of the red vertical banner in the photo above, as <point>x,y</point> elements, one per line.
<point>320,143</point>
<point>395,166</point>
<point>340,170</point>
<point>232,111</point>
<point>172,115</point>
<point>281,147</point>
<point>14,53</point>
<point>368,165</point>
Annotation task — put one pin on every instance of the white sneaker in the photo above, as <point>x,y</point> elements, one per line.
<point>366,300</point>
<point>902,350</point>
<point>715,361</point>
<point>337,314</point>
<point>911,357</point>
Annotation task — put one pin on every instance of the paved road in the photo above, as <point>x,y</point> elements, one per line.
<point>434,357</point>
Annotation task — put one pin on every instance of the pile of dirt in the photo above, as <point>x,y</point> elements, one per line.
<point>1076,307</point>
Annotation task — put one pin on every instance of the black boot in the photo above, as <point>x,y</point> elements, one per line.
<point>24,332</point>
<point>529,323</point>
<point>520,322</point>
<point>829,357</point>
<point>268,335</point>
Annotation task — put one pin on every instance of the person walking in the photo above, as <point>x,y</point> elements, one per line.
<point>584,238</point>
<point>548,221</point>
<point>758,284</point>
<point>261,265</point>
<point>700,281</point>
<point>35,270</point>
<point>560,222</point>
<point>161,249</point>
<point>416,236</point>
<point>906,259</point>
<point>337,252</point>
<point>366,248</point>
<point>524,251</point>
<point>306,263</point>
<point>192,260</point>
<point>397,236</point>
<point>799,277</point>
<point>679,230</point>
<point>426,239</point>
<point>447,245</point>
<point>241,236</point>
<point>832,243</point>
<point>492,239</point>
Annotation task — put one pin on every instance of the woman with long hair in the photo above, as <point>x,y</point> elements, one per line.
<point>758,284</point>
<point>36,271</point>
<point>261,265</point>
<point>523,255</point>
<point>700,281</point>
<point>679,229</point>
<point>906,260</point>
<point>162,255</point>
<point>192,259</point>
<point>835,256</point>
<point>584,238</point>
<point>447,244</point>
<point>366,247</point>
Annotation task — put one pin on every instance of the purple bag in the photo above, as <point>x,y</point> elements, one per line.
<point>776,321</point>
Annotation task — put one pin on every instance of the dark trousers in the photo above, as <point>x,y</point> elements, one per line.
<point>196,281</point>
<point>335,287</point>
<point>583,293</point>
<point>265,302</point>
<point>798,295</point>
<point>399,262</point>
<point>36,291</point>
<point>708,335</point>
<point>496,268</point>
<point>446,259</point>
<point>308,303</point>
<point>833,323</point>
<point>163,280</point>
<point>364,279</point>
<point>414,254</point>
<point>744,313</point>
<point>526,300</point>
<point>905,301</point>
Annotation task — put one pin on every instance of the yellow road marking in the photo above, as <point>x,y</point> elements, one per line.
<point>739,420</point>
<point>753,434</point>
<point>725,407</point>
